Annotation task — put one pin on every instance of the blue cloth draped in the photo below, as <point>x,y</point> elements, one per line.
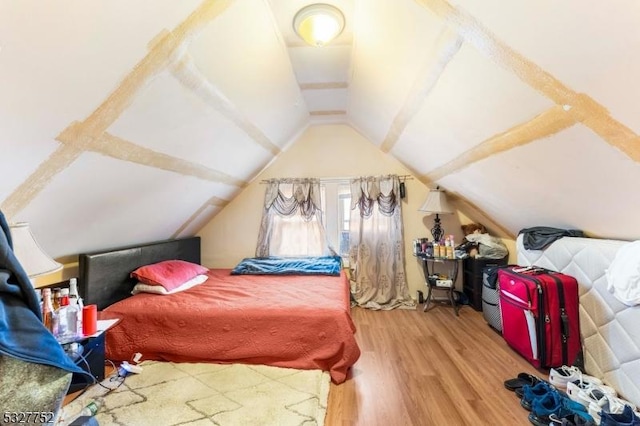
<point>314,265</point>
<point>22,333</point>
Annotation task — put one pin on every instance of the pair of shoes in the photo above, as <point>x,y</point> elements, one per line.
<point>557,406</point>
<point>586,393</point>
<point>521,380</point>
<point>609,405</point>
<point>626,418</point>
<point>534,393</point>
<point>560,377</point>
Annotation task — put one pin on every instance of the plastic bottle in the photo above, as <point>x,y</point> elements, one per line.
<point>92,407</point>
<point>70,319</point>
<point>449,246</point>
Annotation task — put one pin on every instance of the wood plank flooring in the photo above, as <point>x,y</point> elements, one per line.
<point>428,368</point>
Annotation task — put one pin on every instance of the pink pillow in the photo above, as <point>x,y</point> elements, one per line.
<point>158,289</point>
<point>169,274</point>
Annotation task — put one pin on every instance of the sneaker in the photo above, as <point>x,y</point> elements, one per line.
<point>554,405</point>
<point>575,419</point>
<point>608,405</point>
<point>532,393</point>
<point>586,393</point>
<point>559,377</point>
<point>625,418</point>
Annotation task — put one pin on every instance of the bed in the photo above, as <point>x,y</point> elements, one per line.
<point>610,330</point>
<point>293,321</point>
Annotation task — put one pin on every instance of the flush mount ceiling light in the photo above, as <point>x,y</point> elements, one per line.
<point>318,24</point>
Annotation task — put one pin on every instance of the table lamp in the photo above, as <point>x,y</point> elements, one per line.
<point>33,259</point>
<point>436,202</point>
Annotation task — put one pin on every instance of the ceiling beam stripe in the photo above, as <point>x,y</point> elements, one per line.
<point>445,48</point>
<point>546,124</point>
<point>328,112</point>
<point>188,74</point>
<point>323,86</point>
<point>121,149</point>
<point>38,180</point>
<point>591,114</point>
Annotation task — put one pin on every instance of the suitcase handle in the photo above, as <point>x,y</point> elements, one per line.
<point>530,270</point>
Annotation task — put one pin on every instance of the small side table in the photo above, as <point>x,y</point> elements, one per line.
<point>439,274</point>
<point>92,357</point>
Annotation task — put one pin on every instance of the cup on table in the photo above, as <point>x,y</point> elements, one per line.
<point>89,319</point>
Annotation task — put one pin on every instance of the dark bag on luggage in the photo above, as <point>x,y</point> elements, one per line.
<point>539,311</point>
<point>491,298</point>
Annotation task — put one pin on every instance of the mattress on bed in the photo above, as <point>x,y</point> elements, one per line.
<point>610,330</point>
<point>287,321</point>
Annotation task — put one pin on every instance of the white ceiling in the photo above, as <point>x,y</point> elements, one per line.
<point>524,111</point>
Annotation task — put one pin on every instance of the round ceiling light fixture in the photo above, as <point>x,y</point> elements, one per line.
<point>318,24</point>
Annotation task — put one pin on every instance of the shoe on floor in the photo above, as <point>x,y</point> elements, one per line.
<point>585,394</point>
<point>609,405</point>
<point>626,418</point>
<point>532,393</point>
<point>575,419</point>
<point>559,377</point>
<point>521,380</point>
<point>554,405</point>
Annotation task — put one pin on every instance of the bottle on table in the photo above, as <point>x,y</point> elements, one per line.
<point>49,316</point>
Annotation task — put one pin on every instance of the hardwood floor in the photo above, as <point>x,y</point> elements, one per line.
<point>429,368</point>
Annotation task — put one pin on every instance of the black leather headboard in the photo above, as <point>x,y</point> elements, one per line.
<point>104,276</point>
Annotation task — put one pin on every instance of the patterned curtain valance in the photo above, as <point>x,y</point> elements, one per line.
<point>365,191</point>
<point>305,197</point>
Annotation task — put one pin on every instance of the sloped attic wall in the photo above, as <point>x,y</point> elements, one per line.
<point>527,110</point>
<point>117,124</point>
<point>321,151</point>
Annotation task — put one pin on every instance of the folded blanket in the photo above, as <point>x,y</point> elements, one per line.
<point>314,265</point>
<point>22,333</point>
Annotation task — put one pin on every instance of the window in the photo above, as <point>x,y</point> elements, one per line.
<point>336,205</point>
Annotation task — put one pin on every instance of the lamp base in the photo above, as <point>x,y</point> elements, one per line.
<point>437,232</point>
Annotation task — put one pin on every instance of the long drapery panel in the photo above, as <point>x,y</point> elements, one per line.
<point>292,220</point>
<point>376,250</point>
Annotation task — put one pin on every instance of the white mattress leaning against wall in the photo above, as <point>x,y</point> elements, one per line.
<point>610,330</point>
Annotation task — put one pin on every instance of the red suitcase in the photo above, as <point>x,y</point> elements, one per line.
<point>540,315</point>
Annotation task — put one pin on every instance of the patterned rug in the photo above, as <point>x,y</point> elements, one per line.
<point>210,394</point>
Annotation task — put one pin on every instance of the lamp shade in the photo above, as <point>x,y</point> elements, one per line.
<point>436,202</point>
<point>318,24</point>
<point>29,253</point>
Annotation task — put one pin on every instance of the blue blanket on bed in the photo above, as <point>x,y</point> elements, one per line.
<point>319,265</point>
<point>22,333</point>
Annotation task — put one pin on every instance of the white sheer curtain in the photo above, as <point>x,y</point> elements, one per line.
<point>292,220</point>
<point>376,250</point>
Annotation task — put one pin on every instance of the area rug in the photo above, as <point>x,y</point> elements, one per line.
<point>167,394</point>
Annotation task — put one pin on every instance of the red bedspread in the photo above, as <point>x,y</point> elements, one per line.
<point>286,321</point>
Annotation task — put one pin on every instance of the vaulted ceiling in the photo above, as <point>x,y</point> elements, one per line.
<point>150,116</point>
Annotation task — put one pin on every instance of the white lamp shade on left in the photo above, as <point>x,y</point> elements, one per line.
<point>29,253</point>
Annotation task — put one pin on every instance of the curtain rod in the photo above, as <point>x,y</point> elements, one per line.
<point>333,179</point>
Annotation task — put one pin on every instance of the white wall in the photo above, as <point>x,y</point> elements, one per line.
<point>321,151</point>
